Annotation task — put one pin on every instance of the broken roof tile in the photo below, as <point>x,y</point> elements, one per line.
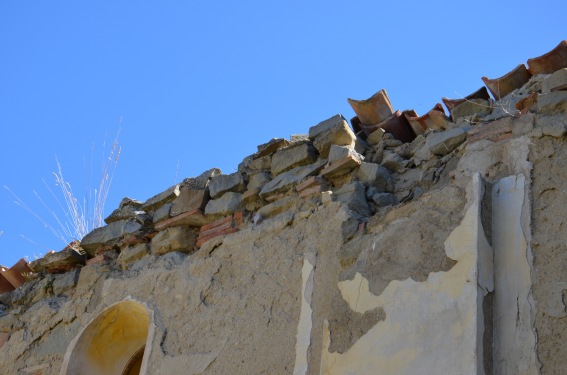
<point>373,110</point>
<point>514,79</point>
<point>551,61</point>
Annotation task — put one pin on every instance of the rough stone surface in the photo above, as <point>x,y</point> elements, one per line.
<point>287,180</point>
<point>182,239</point>
<point>339,152</point>
<point>108,235</point>
<point>555,82</point>
<point>222,183</point>
<point>228,204</point>
<point>340,134</point>
<point>443,143</point>
<point>272,146</point>
<point>552,103</point>
<point>132,254</point>
<point>188,200</point>
<point>478,107</point>
<point>160,199</point>
<point>292,157</point>
<point>375,175</point>
<point>354,196</point>
<point>549,255</point>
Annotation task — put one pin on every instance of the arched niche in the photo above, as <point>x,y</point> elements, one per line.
<point>114,343</point>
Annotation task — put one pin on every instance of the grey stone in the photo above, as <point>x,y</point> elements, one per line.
<point>384,199</point>
<point>338,152</point>
<point>442,143</point>
<point>223,183</point>
<point>66,282</point>
<point>131,202</point>
<point>60,260</point>
<point>201,182</point>
<point>291,157</point>
<point>478,107</point>
<point>257,181</point>
<point>338,134</point>
<point>272,146</point>
<point>227,204</point>
<point>376,176</point>
<point>131,254</point>
<point>298,137</point>
<point>393,161</point>
<point>160,199</point>
<point>108,235</point>
<point>555,82</point>
<point>375,137</point>
<point>287,180</point>
<point>162,213</point>
<point>552,103</point>
<point>263,163</point>
<point>554,129</point>
<point>354,196</point>
<point>128,212</point>
<point>275,208</point>
<point>504,107</point>
<point>189,199</point>
<point>181,239</point>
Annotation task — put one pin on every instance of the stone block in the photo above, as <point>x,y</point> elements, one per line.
<point>375,175</point>
<point>442,143</point>
<point>272,146</point>
<point>310,182</point>
<point>214,234</point>
<point>289,179</point>
<point>182,239</point>
<point>129,209</point>
<point>223,183</point>
<point>227,204</point>
<point>354,196</point>
<point>63,260</point>
<point>479,107</point>
<point>392,161</point>
<point>131,254</point>
<point>338,152</point>
<point>257,181</point>
<point>555,82</point>
<point>263,163</point>
<point>188,200</point>
<point>162,213</point>
<point>193,218</point>
<point>325,126</point>
<point>341,167</point>
<point>160,199</point>
<point>291,157</point>
<point>108,235</point>
<point>492,131</point>
<point>202,181</point>
<point>276,208</point>
<point>552,103</point>
<point>340,134</point>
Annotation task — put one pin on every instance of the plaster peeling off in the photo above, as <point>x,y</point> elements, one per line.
<point>514,336</point>
<point>303,338</point>
<point>431,327</point>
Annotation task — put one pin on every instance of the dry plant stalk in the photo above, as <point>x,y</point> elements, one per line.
<point>80,216</point>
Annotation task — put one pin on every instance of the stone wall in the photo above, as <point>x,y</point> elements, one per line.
<point>336,252</point>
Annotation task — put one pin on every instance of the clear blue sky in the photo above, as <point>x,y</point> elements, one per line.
<point>201,84</point>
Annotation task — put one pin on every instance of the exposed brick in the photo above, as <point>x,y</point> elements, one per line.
<point>219,228</point>
<point>194,218</point>
<point>215,224</point>
<point>491,131</point>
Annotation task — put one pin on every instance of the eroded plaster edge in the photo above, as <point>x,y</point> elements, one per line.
<point>305,325</point>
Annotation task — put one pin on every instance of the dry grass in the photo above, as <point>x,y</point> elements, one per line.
<point>76,217</point>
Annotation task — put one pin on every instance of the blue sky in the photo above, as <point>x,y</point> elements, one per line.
<point>197,85</point>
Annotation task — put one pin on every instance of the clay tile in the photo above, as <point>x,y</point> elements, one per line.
<point>500,87</point>
<point>551,61</point>
<point>397,125</point>
<point>481,93</point>
<point>434,119</point>
<point>373,110</point>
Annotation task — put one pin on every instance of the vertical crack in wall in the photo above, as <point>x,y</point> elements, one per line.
<point>303,338</point>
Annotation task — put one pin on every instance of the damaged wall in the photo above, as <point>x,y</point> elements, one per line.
<point>344,251</point>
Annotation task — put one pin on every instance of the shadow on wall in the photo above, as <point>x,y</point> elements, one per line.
<point>113,343</point>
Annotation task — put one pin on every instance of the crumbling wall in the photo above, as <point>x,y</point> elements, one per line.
<point>340,251</point>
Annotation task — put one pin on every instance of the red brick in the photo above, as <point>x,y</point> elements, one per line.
<point>239,218</point>
<point>4,336</point>
<point>215,224</point>
<point>204,233</point>
<point>194,218</point>
<point>491,131</point>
